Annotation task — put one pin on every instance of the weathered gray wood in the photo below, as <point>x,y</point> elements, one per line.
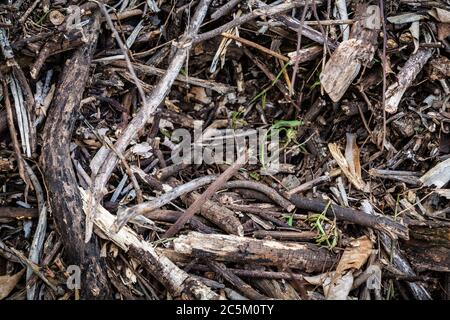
<point>304,256</point>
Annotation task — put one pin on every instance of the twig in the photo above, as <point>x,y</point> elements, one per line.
<point>258,274</point>
<point>383,98</point>
<point>18,212</point>
<point>307,31</point>
<point>172,216</point>
<point>382,223</point>
<point>209,84</point>
<point>264,11</point>
<point>256,46</point>
<point>268,191</point>
<point>35,268</point>
<point>28,12</point>
<point>154,100</point>
<point>13,134</point>
<point>124,216</point>
<point>213,188</point>
<point>165,271</point>
<point>124,52</point>
<point>299,43</point>
<point>223,10</point>
<point>240,285</point>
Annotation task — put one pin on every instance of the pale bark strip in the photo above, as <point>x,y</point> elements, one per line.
<point>39,235</point>
<point>174,279</point>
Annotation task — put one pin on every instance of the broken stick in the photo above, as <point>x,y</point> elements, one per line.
<point>213,188</point>
<point>60,177</point>
<point>382,223</point>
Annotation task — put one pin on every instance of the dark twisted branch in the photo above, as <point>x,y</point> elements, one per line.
<point>62,185</point>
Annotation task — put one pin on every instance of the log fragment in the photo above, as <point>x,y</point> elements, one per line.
<point>304,256</point>
<point>429,248</point>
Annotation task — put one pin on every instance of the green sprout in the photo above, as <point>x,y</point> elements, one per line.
<point>289,127</point>
<point>236,119</point>
<point>328,237</point>
<point>255,176</point>
<point>274,82</point>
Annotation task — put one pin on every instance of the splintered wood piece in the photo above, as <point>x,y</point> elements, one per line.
<point>345,63</point>
<point>304,256</point>
<point>405,78</point>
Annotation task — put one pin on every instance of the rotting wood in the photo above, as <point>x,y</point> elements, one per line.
<point>308,257</point>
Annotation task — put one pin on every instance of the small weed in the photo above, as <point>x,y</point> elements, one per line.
<point>328,236</point>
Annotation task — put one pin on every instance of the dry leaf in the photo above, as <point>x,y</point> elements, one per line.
<point>8,283</point>
<point>343,164</point>
<point>199,94</point>
<point>340,288</point>
<point>352,156</point>
<point>355,255</point>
